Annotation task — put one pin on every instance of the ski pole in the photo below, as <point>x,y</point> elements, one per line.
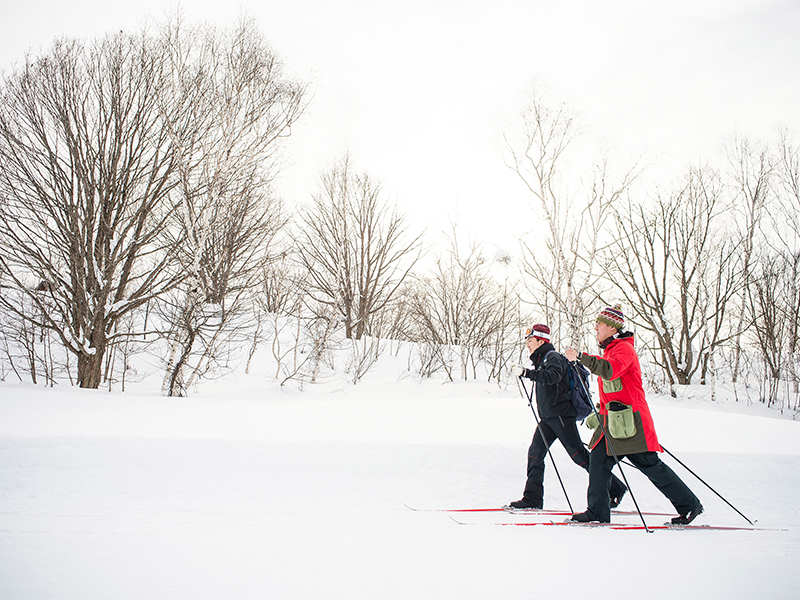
<point>546,445</point>
<point>708,486</point>
<point>616,458</point>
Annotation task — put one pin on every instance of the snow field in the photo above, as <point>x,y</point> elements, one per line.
<point>265,493</point>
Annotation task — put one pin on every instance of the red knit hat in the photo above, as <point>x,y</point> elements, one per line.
<point>538,331</point>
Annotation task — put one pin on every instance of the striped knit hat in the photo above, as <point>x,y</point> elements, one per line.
<point>539,331</point>
<point>612,316</point>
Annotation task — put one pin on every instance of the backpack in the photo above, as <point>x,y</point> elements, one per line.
<point>579,390</point>
<point>579,395</point>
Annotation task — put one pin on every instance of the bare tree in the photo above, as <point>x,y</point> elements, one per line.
<point>769,305</point>
<point>717,288</point>
<point>282,285</point>
<point>229,106</point>
<point>788,227</point>
<point>751,170</point>
<point>503,340</point>
<point>562,251</point>
<point>27,347</point>
<point>353,248</point>
<point>282,308</point>
<point>464,316</point>
<point>675,270</point>
<point>86,172</point>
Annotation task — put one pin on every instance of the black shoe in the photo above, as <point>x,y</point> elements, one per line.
<point>687,518</point>
<point>615,500</point>
<point>525,504</point>
<point>586,517</point>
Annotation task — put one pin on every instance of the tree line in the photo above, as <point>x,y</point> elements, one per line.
<point>138,215</point>
<point>706,267</point>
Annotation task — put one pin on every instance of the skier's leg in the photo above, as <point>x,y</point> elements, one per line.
<point>571,440</point>
<point>616,490</point>
<point>665,479</point>
<point>600,465</point>
<point>567,432</point>
<point>537,453</point>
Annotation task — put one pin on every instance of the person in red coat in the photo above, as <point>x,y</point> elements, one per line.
<point>627,424</point>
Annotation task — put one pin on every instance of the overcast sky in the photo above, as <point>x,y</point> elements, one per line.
<point>420,91</point>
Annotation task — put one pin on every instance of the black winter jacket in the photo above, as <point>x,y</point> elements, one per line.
<point>551,374</point>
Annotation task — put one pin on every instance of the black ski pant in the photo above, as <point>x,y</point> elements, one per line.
<point>664,478</point>
<point>565,430</point>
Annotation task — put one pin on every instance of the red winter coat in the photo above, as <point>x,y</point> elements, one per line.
<point>620,364</point>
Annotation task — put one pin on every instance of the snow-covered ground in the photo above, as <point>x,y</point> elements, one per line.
<point>249,490</point>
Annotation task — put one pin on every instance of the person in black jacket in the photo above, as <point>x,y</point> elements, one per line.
<point>550,375</point>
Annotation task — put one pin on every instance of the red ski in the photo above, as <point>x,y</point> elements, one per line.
<point>529,511</point>
<point>620,526</point>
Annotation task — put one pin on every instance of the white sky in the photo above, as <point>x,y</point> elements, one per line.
<point>419,91</point>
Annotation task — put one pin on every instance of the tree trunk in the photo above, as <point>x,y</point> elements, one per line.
<point>90,369</point>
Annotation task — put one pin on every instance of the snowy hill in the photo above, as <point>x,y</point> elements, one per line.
<point>249,490</point>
